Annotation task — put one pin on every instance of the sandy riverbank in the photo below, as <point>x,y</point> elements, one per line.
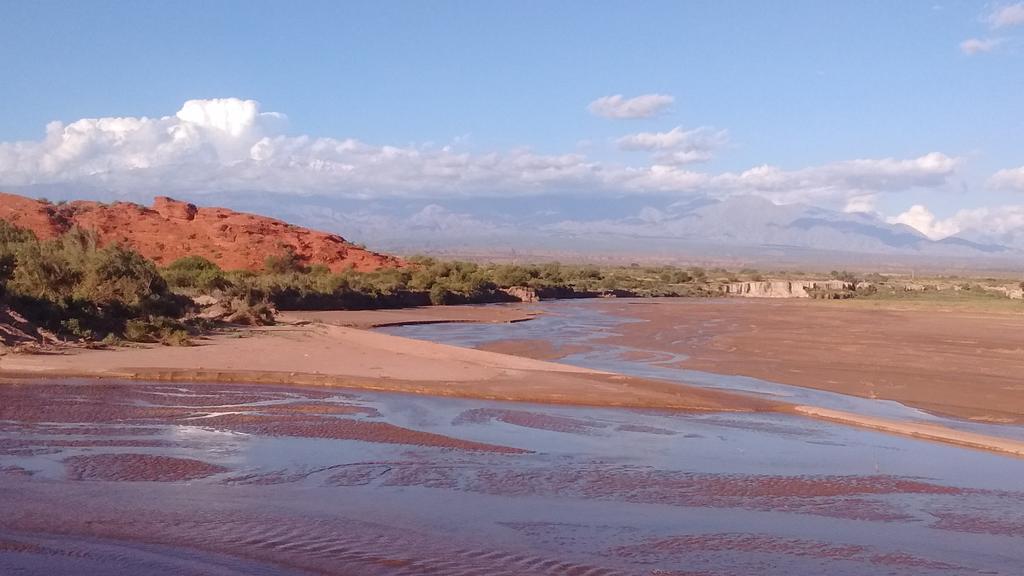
<point>328,355</point>
<point>962,363</point>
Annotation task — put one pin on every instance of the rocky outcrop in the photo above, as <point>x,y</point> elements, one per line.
<point>170,229</point>
<point>1011,292</point>
<point>522,293</point>
<point>783,288</point>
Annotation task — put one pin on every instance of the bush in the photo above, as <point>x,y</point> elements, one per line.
<point>116,274</point>
<point>440,295</point>
<point>284,263</point>
<point>195,273</point>
<point>74,287</point>
<point>167,331</point>
<point>44,271</point>
<point>253,310</point>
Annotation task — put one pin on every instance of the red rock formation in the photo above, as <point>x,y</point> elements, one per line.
<point>171,229</point>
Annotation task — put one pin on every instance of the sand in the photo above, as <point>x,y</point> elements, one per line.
<point>925,431</point>
<point>327,355</point>
<point>961,363</point>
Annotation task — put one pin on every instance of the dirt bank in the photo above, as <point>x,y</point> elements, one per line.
<point>961,363</point>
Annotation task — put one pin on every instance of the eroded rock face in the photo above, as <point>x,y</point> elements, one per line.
<point>782,288</point>
<point>171,229</point>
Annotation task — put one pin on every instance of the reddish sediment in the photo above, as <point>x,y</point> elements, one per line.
<point>919,357</point>
<point>311,408</point>
<point>977,524</point>
<point>138,468</point>
<point>536,349</point>
<point>688,546</point>
<point>344,429</point>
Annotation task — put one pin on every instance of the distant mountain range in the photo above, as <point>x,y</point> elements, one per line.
<point>740,228</point>
<point>754,221</point>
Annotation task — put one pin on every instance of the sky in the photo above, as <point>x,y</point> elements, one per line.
<point>911,111</point>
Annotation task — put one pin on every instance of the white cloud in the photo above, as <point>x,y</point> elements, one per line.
<point>230,145</point>
<point>1007,16</point>
<point>924,221</point>
<point>1008,179</point>
<point>985,222</point>
<point>618,106</point>
<point>973,46</point>
<point>864,203</point>
<point>990,221</point>
<point>830,183</point>
<point>677,146</point>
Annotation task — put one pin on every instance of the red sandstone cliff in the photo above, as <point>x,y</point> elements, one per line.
<point>169,230</point>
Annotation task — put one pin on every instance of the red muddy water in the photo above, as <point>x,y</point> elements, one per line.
<point>135,478</point>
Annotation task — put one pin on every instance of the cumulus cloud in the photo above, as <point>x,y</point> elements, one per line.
<point>618,106</point>
<point>990,221</point>
<point>924,221</point>
<point>677,146</point>
<point>974,46</point>
<point>985,222</point>
<point>1007,16</point>
<point>231,145</point>
<point>1008,179</point>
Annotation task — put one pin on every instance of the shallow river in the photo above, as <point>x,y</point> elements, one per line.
<point>135,478</point>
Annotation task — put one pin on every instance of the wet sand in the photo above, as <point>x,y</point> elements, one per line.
<point>961,363</point>
<point>240,483</point>
<point>536,349</point>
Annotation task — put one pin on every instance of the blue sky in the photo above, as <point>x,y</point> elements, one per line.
<point>875,106</point>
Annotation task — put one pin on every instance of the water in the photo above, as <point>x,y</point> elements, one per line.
<point>587,322</point>
<point>119,478</point>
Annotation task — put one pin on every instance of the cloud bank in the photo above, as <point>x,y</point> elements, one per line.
<point>229,144</point>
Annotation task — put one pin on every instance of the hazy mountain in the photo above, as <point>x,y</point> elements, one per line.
<point>743,226</point>
<point>754,221</point>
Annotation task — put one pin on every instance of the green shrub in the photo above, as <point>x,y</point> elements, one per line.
<point>284,263</point>
<point>195,273</point>
<point>138,330</point>
<point>440,295</point>
<point>116,274</point>
<point>74,287</point>
<point>167,331</point>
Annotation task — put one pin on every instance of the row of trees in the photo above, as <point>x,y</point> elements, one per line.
<point>288,284</point>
